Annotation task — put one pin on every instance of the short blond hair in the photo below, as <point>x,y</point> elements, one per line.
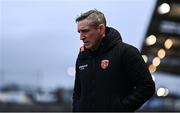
<point>95,16</point>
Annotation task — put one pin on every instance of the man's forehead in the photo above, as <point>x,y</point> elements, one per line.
<point>84,22</point>
<point>84,25</point>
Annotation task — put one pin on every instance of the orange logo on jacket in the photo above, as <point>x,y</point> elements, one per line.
<point>104,64</point>
<point>82,48</point>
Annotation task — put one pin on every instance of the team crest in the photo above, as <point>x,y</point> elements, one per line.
<point>104,64</point>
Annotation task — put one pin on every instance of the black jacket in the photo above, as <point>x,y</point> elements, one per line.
<point>122,84</point>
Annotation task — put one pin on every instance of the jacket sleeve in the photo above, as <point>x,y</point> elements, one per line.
<point>76,92</point>
<point>139,75</point>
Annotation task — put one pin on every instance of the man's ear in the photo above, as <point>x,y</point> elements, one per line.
<point>102,29</point>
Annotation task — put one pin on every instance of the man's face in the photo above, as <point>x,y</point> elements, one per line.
<point>90,35</point>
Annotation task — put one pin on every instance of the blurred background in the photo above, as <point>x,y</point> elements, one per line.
<point>39,45</point>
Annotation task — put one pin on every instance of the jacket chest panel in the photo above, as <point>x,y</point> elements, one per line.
<point>84,69</point>
<point>103,70</point>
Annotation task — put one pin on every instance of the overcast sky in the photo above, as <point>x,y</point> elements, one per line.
<point>39,40</point>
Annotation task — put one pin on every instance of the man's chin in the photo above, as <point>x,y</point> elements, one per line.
<point>87,47</point>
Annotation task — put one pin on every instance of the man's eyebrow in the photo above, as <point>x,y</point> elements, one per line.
<point>83,30</point>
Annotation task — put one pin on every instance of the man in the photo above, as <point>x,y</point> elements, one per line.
<point>110,74</point>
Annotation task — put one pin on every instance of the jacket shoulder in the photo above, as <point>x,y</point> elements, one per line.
<point>127,47</point>
<point>126,51</point>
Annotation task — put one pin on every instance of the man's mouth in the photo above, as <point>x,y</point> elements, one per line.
<point>85,42</point>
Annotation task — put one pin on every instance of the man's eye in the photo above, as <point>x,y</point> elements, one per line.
<point>84,31</point>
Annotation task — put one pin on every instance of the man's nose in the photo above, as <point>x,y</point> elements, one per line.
<point>82,37</point>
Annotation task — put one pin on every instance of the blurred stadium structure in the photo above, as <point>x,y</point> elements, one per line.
<point>160,49</point>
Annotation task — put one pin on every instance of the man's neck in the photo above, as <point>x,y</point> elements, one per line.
<point>98,44</point>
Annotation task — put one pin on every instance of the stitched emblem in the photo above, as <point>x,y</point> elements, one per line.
<point>104,64</point>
